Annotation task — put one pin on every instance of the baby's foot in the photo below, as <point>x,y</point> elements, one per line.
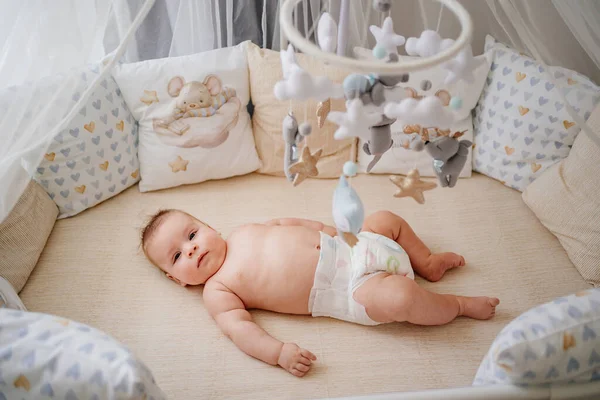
<point>478,307</point>
<point>438,264</point>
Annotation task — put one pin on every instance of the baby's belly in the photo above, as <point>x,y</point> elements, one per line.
<point>283,279</point>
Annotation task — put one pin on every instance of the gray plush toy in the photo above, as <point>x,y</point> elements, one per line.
<point>292,137</point>
<point>374,89</point>
<point>449,158</point>
<point>381,141</point>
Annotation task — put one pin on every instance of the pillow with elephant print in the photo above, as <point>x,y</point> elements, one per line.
<point>400,159</point>
<point>193,121</point>
<point>521,123</point>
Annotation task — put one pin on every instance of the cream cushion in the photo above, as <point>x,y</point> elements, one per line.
<point>566,199</point>
<point>268,115</point>
<point>23,234</point>
<point>176,149</point>
<point>93,271</point>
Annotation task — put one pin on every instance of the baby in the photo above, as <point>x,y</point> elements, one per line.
<point>298,266</point>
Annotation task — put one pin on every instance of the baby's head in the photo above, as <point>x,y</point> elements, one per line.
<point>187,250</point>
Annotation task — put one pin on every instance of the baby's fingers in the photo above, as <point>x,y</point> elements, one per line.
<point>304,360</point>
<point>308,354</point>
<point>297,373</point>
<point>302,367</point>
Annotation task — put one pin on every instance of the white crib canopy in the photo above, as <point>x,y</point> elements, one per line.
<point>43,44</point>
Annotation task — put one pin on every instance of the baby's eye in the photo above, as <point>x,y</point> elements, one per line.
<point>185,102</point>
<point>176,257</point>
<point>192,235</point>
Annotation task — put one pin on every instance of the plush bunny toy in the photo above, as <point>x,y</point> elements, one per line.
<point>449,158</point>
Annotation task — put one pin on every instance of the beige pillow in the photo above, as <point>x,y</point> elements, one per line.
<point>265,71</point>
<point>23,234</point>
<point>566,199</point>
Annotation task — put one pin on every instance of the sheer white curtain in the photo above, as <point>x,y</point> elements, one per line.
<point>46,77</point>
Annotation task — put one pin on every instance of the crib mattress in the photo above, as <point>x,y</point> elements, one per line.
<point>93,270</point>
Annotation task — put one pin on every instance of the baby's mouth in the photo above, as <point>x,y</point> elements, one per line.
<point>201,258</point>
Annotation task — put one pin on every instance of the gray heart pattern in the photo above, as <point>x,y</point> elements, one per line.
<point>84,151</point>
<point>555,341</point>
<point>519,95</point>
<point>84,363</point>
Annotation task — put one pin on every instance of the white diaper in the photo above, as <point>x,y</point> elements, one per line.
<point>343,269</point>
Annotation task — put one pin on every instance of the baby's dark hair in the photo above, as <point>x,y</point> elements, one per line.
<point>152,225</point>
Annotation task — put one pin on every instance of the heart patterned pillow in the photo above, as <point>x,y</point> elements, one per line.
<point>521,124</point>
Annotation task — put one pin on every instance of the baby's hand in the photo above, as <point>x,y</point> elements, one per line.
<point>295,360</point>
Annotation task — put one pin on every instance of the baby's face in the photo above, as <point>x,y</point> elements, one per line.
<point>187,250</point>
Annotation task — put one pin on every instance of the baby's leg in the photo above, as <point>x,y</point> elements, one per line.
<point>430,266</point>
<point>389,298</point>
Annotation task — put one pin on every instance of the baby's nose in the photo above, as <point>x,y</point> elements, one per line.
<point>192,250</point>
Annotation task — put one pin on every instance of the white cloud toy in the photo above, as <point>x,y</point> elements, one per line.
<point>288,59</point>
<point>428,44</point>
<point>427,112</point>
<point>300,85</point>
<point>355,122</point>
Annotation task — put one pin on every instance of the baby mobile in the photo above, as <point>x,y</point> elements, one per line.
<point>373,103</point>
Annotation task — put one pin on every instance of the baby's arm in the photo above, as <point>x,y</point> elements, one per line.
<point>316,225</point>
<point>236,322</point>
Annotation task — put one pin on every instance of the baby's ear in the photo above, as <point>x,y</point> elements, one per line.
<point>213,83</point>
<point>175,85</point>
<point>177,281</point>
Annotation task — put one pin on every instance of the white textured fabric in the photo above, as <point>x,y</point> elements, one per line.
<point>93,266</point>
<point>400,160</point>
<point>566,199</point>
<point>9,297</point>
<point>521,124</point>
<point>342,269</point>
<point>179,146</point>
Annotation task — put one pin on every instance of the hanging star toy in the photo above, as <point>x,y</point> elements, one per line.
<point>355,122</point>
<point>412,186</point>
<point>306,166</point>
<point>385,36</point>
<point>462,67</point>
